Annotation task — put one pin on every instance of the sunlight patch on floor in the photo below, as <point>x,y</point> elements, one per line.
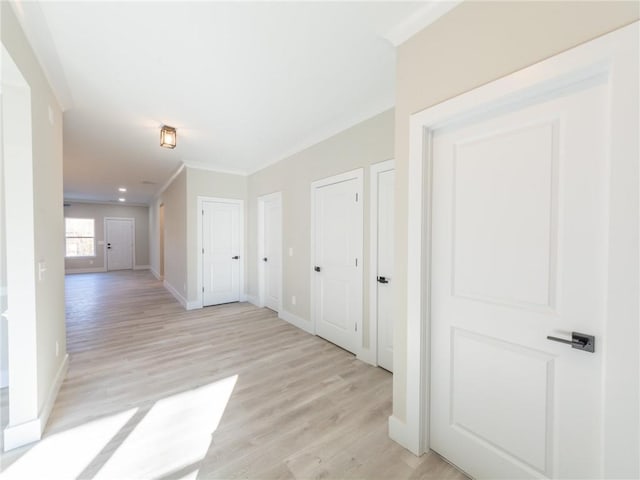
<point>68,453</point>
<point>173,435</point>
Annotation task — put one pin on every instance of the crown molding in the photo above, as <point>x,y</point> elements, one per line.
<point>166,184</point>
<point>419,20</point>
<point>213,168</point>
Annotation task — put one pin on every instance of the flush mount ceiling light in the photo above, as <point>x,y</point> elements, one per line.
<point>122,189</point>
<point>167,137</point>
<point>122,199</point>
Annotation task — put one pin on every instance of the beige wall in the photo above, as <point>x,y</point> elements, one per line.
<point>360,146</point>
<point>476,43</point>
<point>180,200</point>
<point>174,199</point>
<point>205,183</point>
<point>47,205</point>
<point>98,212</point>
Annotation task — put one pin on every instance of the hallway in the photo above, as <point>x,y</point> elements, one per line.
<point>154,391</point>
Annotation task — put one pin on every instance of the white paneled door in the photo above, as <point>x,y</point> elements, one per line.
<point>336,257</point>
<point>271,250</point>
<point>382,180</point>
<point>519,253</point>
<point>119,238</point>
<point>221,250</point>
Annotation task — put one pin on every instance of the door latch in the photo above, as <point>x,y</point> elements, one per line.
<point>383,280</point>
<point>235,258</point>
<point>317,269</point>
<point>580,341</point>
<point>264,259</point>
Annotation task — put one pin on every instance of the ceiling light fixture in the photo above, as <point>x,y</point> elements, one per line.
<point>122,199</point>
<point>167,137</point>
<point>122,189</point>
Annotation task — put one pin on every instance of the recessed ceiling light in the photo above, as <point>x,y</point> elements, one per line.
<point>122,199</point>
<point>122,189</point>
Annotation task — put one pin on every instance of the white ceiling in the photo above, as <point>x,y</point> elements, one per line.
<point>245,84</point>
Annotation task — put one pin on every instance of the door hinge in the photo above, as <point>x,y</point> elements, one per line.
<point>203,251</point>
<point>356,196</point>
<point>203,213</point>
<point>356,327</point>
<point>202,289</point>
<point>356,262</point>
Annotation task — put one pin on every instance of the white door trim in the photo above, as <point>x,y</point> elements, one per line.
<point>370,355</point>
<point>201,199</point>
<point>261,270</point>
<point>357,174</point>
<point>133,240</point>
<point>616,56</point>
<point>18,308</point>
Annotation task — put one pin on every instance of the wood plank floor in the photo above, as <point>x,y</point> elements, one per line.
<point>154,391</point>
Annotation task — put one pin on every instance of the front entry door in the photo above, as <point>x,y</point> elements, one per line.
<point>221,234</point>
<point>119,243</point>
<point>519,253</point>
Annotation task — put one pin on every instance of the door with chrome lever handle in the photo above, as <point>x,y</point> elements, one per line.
<point>580,341</point>
<point>235,258</point>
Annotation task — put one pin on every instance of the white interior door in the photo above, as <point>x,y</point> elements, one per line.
<point>384,285</point>
<point>119,243</point>
<point>519,252</point>
<point>336,256</point>
<point>272,251</point>
<point>221,245</point>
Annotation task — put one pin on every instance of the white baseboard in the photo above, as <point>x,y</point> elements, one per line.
<point>28,432</point>
<point>194,305</point>
<point>71,271</point>
<point>156,274</point>
<point>398,432</point>
<point>296,321</point>
<point>367,355</point>
<point>53,391</point>
<point>142,267</point>
<point>18,435</point>
<point>170,288</point>
<point>253,300</point>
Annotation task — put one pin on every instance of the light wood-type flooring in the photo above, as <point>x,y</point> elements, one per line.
<point>154,391</point>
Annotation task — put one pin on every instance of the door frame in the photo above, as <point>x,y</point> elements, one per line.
<point>614,57</point>
<point>358,175</point>
<point>133,241</point>
<point>370,355</point>
<point>261,240</point>
<point>199,303</point>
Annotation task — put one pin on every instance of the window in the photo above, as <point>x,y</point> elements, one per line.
<point>80,237</point>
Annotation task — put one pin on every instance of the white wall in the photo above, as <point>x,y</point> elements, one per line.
<point>98,212</point>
